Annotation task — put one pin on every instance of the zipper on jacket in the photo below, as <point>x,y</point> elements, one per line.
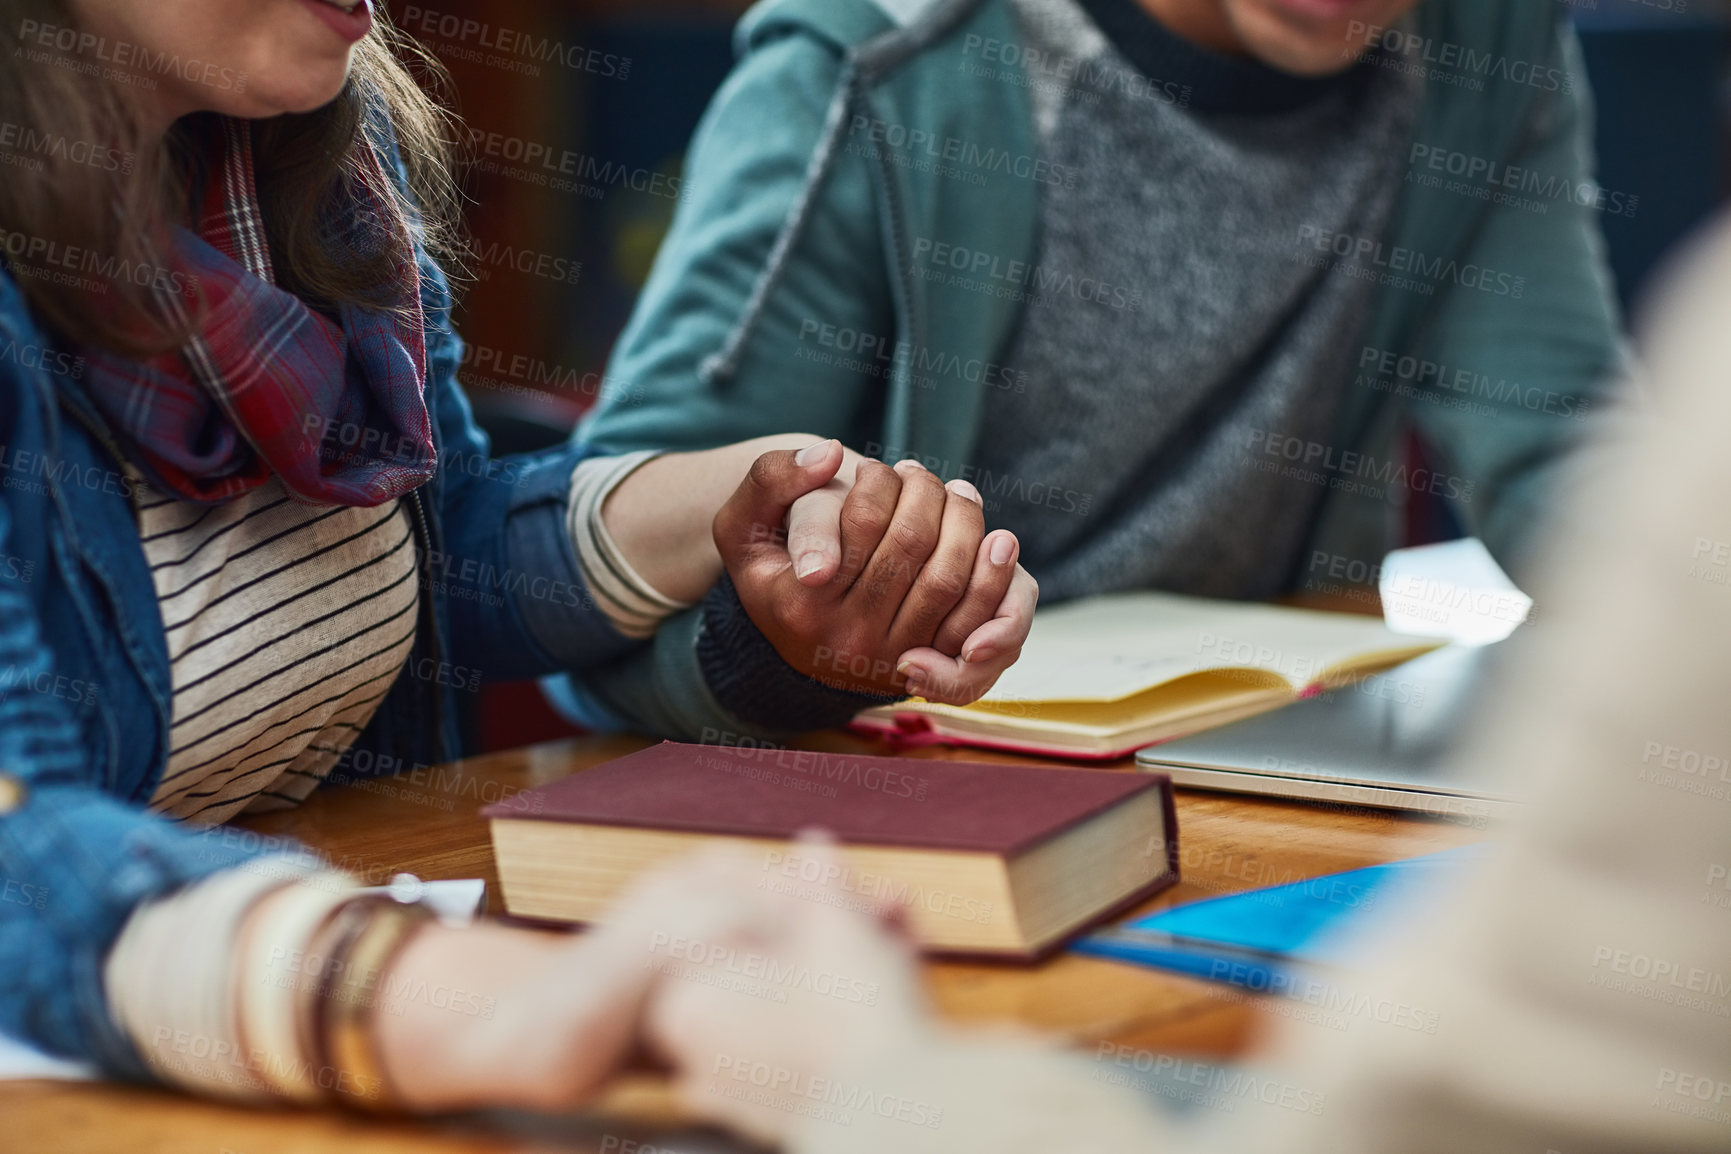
<point>905,288</point>
<point>430,625</point>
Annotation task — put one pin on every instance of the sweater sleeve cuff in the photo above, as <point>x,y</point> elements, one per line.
<point>552,599</point>
<point>750,680</point>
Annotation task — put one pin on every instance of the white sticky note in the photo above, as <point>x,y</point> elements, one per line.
<point>456,902</point>
<point>22,1061</point>
<point>1454,590</point>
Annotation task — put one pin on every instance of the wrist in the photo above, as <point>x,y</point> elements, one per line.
<point>755,682</point>
<point>456,1035</point>
<point>662,514</point>
<point>658,517</point>
<point>495,1016</point>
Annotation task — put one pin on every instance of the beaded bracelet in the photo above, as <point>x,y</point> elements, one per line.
<point>344,1015</point>
<point>269,976</point>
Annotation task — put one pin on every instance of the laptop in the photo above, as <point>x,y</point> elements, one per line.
<point>1384,742</point>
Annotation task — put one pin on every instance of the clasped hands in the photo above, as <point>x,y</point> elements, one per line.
<point>862,576</point>
<point>875,579</point>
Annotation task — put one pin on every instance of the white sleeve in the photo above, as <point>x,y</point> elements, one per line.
<point>634,606</point>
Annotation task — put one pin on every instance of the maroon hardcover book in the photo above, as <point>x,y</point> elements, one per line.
<point>958,805</point>
<point>975,807</point>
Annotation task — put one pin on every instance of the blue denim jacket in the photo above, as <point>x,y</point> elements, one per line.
<point>85,691</point>
<point>86,695</point>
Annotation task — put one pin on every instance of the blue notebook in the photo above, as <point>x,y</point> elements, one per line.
<point>1257,939</point>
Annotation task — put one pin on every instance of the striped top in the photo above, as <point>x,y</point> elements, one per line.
<point>287,624</point>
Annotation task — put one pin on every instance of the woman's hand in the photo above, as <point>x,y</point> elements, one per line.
<point>911,575</point>
<point>856,996</point>
<point>496,1016</point>
<point>660,516</point>
<point>505,1017</point>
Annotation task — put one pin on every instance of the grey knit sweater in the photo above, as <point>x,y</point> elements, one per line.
<point>1182,328</point>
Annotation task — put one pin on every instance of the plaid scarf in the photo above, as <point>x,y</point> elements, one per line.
<point>268,385</point>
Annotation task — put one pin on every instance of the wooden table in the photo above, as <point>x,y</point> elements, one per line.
<point>429,827</point>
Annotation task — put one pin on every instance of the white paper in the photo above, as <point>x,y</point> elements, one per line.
<point>1454,590</point>
<point>456,901</point>
<point>20,1061</point>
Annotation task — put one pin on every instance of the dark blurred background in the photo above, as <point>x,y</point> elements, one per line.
<point>601,96</point>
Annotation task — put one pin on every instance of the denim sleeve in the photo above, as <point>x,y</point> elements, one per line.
<point>505,564</point>
<point>75,861</point>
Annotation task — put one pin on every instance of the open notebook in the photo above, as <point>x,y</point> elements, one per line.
<point>1108,675</point>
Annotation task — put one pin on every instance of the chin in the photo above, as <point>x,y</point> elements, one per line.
<point>1306,60</point>
<point>1303,44</point>
<point>313,101</point>
<point>263,100</point>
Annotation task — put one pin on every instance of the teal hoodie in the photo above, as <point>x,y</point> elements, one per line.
<point>787,296</point>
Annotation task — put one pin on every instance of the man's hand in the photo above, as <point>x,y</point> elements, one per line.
<point>909,596</point>
<point>979,640</point>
